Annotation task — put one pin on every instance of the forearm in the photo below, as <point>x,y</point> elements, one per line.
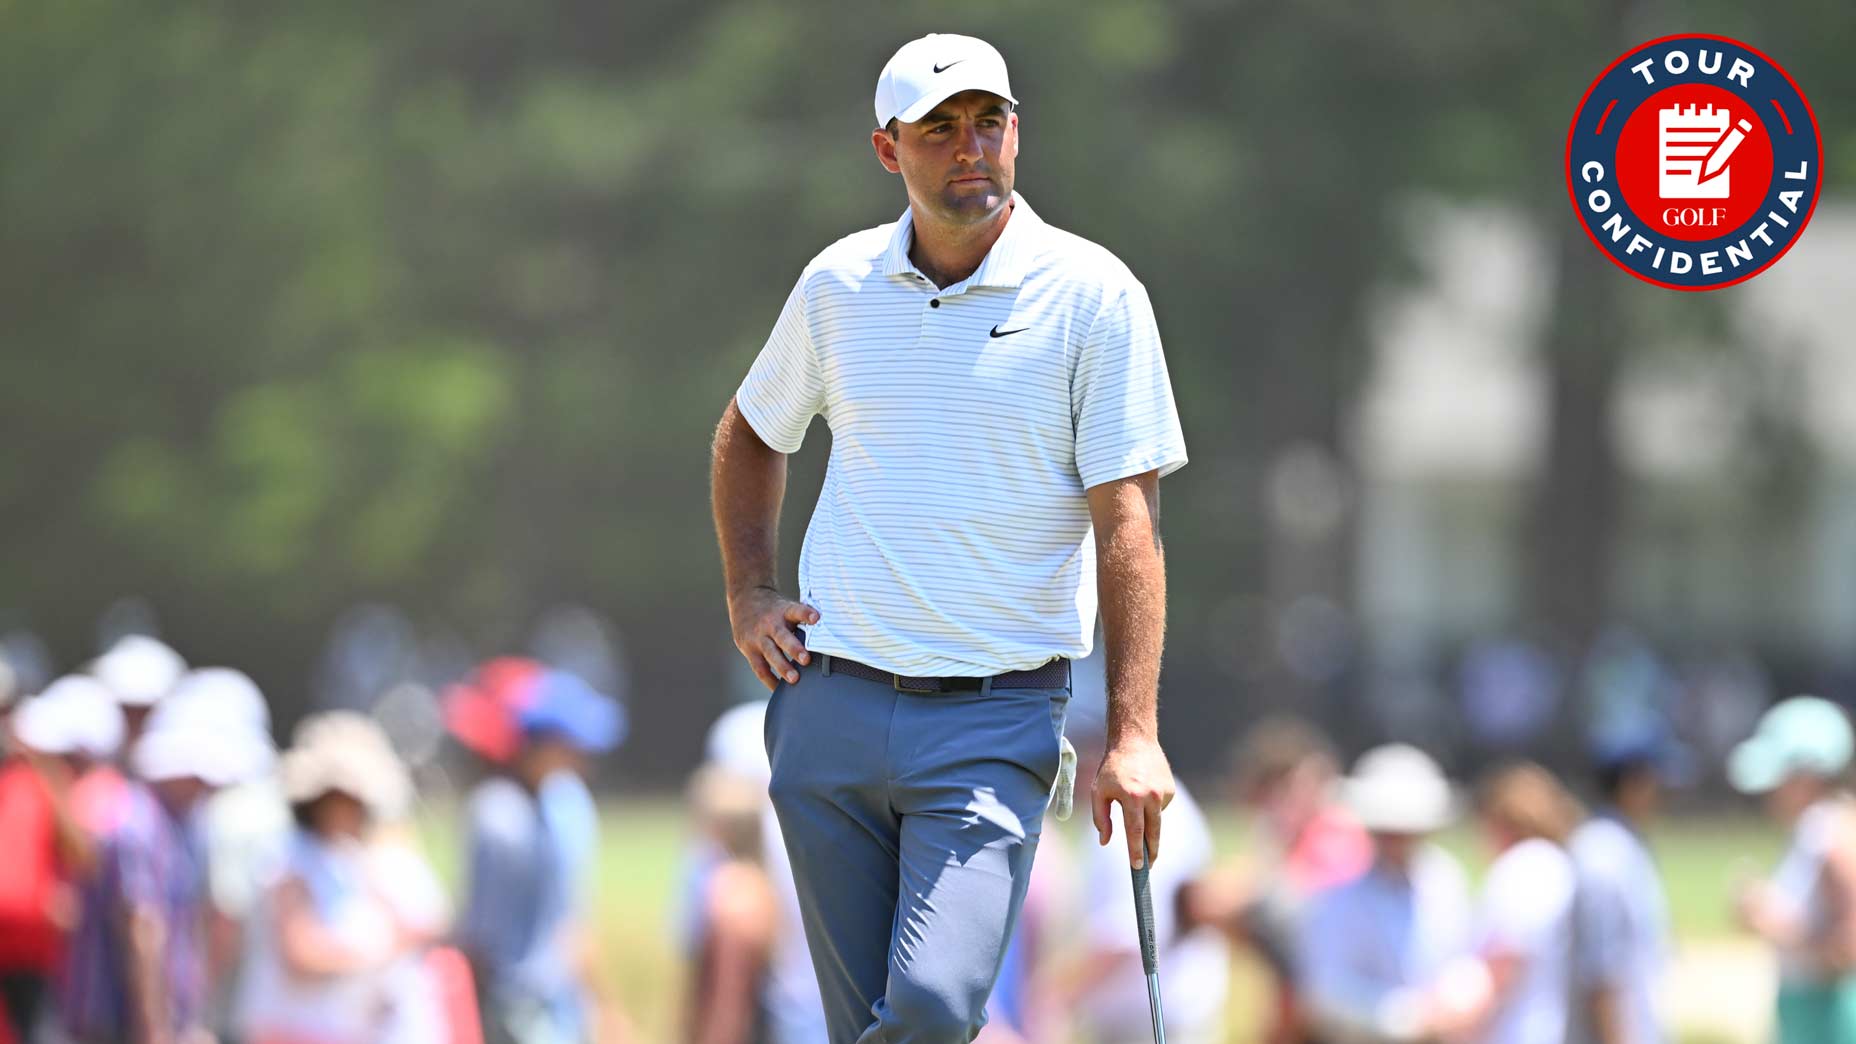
<point>76,849</point>
<point>1131,588</point>
<point>726,1013</point>
<point>148,992</point>
<point>309,952</point>
<point>1606,1016</point>
<point>747,482</point>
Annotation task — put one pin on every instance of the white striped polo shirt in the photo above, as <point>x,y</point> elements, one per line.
<point>952,536</point>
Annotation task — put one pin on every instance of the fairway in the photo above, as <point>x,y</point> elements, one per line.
<point>1722,981</point>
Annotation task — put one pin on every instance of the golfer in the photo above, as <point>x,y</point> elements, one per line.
<point>1000,417</point>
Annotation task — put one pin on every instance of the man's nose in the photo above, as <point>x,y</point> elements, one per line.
<point>967,147</point>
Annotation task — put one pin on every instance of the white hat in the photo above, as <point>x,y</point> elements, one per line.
<point>139,670</point>
<point>225,704</point>
<point>345,751</point>
<point>737,742</point>
<point>215,698</point>
<point>928,71</point>
<point>74,715</point>
<point>189,751</point>
<point>1398,789</point>
<point>44,726</point>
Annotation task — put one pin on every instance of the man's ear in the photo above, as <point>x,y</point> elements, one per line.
<point>885,147</point>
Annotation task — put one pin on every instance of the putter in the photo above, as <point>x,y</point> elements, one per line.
<point>1144,917</point>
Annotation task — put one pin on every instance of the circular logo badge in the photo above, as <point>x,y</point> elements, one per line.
<point>1694,162</point>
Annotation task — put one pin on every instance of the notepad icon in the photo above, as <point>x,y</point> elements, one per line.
<point>1693,149</point>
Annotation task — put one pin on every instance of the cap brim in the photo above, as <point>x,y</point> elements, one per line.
<point>929,101</point>
<point>1755,767</point>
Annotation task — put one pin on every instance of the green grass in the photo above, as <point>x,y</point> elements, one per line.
<point>643,842</point>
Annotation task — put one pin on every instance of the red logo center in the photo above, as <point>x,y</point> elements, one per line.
<point>1694,162</point>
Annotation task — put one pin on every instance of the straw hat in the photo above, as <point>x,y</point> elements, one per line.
<point>347,752</point>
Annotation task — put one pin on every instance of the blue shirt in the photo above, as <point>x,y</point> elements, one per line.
<point>1372,946</point>
<point>147,862</point>
<point>1623,922</point>
<point>531,859</point>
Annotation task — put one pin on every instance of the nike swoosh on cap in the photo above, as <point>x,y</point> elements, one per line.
<point>949,65</point>
<point>996,332</point>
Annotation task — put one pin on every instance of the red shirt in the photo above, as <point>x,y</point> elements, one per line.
<point>29,875</point>
<point>1333,848</point>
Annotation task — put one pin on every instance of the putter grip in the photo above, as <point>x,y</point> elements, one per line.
<point>1144,912</point>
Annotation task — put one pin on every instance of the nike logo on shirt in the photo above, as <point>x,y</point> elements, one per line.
<point>996,332</point>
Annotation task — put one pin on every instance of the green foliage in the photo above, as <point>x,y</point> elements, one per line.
<point>439,302</point>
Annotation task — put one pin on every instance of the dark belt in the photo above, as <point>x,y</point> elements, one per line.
<point>1054,674</point>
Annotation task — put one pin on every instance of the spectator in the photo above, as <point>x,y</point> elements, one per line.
<point>1380,952</point>
<point>1526,922</point>
<point>136,971</point>
<point>1307,841</point>
<point>1797,758</point>
<point>139,672</point>
<point>737,915</point>
<point>57,734</point>
<point>325,942</point>
<point>1622,915</point>
<point>533,834</point>
<point>240,829</point>
<point>790,1001</point>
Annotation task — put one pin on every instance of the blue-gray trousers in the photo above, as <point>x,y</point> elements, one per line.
<point>911,820</point>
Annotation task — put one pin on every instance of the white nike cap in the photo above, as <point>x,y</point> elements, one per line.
<point>928,71</point>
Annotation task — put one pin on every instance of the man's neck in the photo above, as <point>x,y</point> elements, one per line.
<point>949,253</point>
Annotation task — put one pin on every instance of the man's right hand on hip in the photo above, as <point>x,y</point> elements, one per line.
<point>763,621</point>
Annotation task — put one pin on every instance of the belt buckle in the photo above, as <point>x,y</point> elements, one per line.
<point>934,685</point>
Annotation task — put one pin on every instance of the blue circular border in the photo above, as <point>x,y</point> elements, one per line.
<point>1620,84</point>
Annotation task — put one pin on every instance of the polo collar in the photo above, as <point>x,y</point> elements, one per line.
<point>1005,265</point>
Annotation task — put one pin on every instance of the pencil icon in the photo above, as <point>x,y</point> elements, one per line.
<point>1717,160</point>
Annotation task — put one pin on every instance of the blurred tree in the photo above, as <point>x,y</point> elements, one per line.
<point>436,304</point>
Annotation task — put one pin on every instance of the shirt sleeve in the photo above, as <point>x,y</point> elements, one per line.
<point>1523,903</point>
<point>573,822</point>
<point>493,924</point>
<point>141,874</point>
<point>1121,399</point>
<point>784,389</point>
<point>1602,909</point>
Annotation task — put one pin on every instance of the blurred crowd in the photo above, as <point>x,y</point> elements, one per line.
<point>1370,930</point>
<point>173,878</point>
<point>171,875</point>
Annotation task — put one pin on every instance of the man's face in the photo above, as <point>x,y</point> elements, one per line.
<point>181,795</point>
<point>1640,795</point>
<point>959,161</point>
